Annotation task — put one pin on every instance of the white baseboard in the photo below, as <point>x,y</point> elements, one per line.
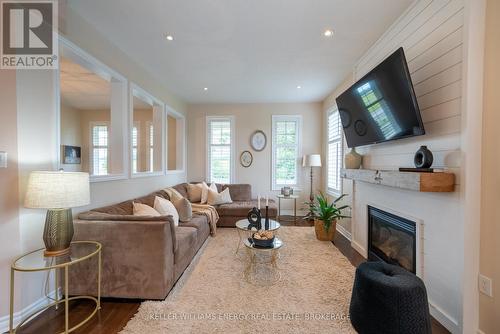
<point>360,249</point>
<point>344,232</point>
<point>480,332</point>
<point>22,314</point>
<point>444,319</point>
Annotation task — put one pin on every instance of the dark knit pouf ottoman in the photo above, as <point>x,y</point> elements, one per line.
<point>387,299</point>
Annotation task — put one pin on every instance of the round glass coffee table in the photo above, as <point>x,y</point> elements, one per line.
<point>262,262</point>
<point>244,230</point>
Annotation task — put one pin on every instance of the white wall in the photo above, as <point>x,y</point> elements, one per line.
<point>249,118</point>
<point>431,33</point>
<point>37,149</point>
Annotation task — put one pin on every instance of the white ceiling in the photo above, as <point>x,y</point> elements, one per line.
<point>82,89</point>
<point>244,51</point>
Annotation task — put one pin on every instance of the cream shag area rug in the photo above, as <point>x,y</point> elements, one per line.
<point>311,296</point>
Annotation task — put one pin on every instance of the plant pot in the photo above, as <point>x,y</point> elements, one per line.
<point>323,235</point>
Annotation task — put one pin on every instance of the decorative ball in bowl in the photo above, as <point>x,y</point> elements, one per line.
<point>263,238</point>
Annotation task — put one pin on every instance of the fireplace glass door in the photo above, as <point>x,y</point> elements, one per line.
<point>391,239</point>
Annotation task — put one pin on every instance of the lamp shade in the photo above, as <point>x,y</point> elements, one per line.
<point>57,190</point>
<point>311,160</point>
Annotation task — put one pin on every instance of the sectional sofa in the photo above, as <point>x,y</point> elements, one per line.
<point>143,257</point>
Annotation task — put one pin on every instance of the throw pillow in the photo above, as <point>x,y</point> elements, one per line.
<point>204,192</point>
<point>144,210</point>
<point>173,194</point>
<point>184,209</point>
<point>166,208</point>
<point>194,192</point>
<point>216,199</point>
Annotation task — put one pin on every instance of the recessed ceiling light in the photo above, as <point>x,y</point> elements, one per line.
<point>205,89</point>
<point>328,33</point>
<point>169,37</point>
<point>299,87</point>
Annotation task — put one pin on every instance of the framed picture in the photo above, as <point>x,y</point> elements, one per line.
<point>246,159</point>
<point>258,140</point>
<point>72,155</point>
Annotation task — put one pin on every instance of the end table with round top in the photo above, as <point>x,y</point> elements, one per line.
<point>36,261</point>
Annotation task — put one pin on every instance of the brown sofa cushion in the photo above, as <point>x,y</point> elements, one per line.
<point>241,208</point>
<point>186,240</point>
<point>96,215</point>
<point>238,192</point>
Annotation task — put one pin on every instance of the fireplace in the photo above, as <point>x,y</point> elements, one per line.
<point>392,239</point>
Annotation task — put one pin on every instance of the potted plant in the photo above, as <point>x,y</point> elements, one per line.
<point>325,216</point>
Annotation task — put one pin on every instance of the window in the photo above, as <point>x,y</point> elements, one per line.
<point>135,136</point>
<point>220,149</point>
<point>151,147</point>
<point>99,151</point>
<point>286,151</point>
<point>334,152</point>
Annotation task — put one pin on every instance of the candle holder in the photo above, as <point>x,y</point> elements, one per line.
<point>267,218</point>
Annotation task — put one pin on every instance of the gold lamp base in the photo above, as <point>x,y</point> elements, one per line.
<point>58,232</point>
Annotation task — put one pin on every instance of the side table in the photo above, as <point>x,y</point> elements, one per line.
<point>294,197</point>
<point>36,261</point>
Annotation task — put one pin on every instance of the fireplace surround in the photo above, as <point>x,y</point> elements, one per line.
<point>392,239</point>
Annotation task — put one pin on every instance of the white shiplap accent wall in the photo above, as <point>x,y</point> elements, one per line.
<point>431,33</point>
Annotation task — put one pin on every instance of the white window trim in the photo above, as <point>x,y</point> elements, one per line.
<point>329,191</point>
<point>276,118</point>
<point>93,124</point>
<point>181,126</point>
<point>138,92</point>
<point>231,119</point>
<point>81,57</point>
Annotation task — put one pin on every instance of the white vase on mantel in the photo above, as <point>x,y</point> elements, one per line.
<point>353,159</point>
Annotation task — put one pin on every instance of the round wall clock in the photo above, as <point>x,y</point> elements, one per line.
<point>246,158</point>
<point>258,140</point>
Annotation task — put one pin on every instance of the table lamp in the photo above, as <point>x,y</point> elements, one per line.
<point>311,160</point>
<point>58,192</point>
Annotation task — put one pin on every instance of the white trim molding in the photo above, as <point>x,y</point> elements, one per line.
<point>22,314</point>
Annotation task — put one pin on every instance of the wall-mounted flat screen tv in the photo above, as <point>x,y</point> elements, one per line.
<point>382,105</point>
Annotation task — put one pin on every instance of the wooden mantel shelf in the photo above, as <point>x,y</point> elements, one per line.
<point>423,182</point>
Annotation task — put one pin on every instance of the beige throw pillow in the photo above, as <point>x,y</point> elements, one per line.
<point>204,193</point>
<point>216,199</point>
<point>166,208</point>
<point>194,192</point>
<point>173,194</point>
<point>184,209</point>
<point>144,210</point>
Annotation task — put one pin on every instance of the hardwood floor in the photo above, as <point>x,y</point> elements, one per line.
<point>115,313</point>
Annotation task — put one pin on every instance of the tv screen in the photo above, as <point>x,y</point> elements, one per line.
<point>382,105</point>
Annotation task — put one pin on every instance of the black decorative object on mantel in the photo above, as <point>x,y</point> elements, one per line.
<point>423,158</point>
<point>267,218</point>
<point>255,219</point>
